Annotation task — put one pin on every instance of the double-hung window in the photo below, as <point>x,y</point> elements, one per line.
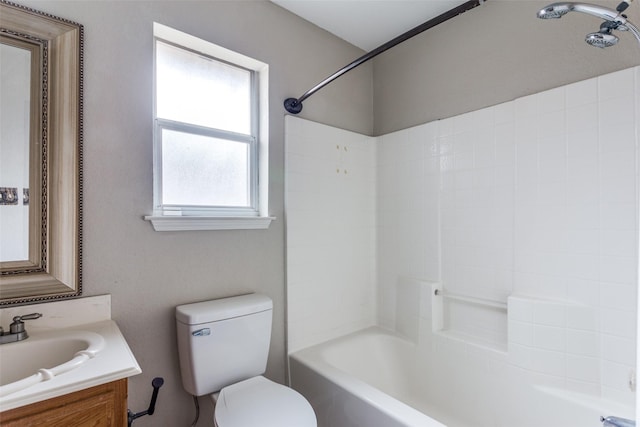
<point>209,134</point>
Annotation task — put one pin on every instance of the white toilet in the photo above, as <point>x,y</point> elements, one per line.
<point>223,347</point>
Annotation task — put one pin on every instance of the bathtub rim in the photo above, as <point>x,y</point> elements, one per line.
<point>390,406</point>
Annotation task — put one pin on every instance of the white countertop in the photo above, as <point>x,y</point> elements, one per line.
<point>114,361</point>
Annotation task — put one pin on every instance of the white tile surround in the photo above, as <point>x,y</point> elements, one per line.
<point>532,204</point>
<point>330,201</point>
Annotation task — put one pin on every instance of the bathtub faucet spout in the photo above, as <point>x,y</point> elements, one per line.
<point>617,422</point>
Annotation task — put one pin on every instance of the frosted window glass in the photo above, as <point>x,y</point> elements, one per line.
<point>195,89</point>
<point>204,171</point>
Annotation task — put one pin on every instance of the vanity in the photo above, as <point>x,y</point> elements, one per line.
<point>63,360</point>
<point>73,367</point>
<point>104,405</point>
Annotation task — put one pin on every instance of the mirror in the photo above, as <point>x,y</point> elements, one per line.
<point>40,155</point>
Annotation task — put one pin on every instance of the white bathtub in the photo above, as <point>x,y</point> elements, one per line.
<point>374,378</point>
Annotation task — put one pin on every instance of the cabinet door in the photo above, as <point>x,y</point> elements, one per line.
<point>101,406</point>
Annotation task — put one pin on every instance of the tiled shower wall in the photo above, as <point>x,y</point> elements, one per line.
<point>536,199</point>
<point>330,205</point>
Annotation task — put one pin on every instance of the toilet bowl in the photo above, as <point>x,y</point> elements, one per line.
<point>223,347</point>
<point>261,402</point>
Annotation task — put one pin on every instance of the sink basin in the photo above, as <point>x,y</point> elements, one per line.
<point>45,355</point>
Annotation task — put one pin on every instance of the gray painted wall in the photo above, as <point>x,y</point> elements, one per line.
<point>491,54</point>
<point>148,273</point>
<point>506,53</point>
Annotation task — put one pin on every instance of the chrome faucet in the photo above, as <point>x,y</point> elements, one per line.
<point>617,422</point>
<point>17,332</point>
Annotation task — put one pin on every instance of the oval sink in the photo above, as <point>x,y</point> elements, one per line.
<point>43,356</point>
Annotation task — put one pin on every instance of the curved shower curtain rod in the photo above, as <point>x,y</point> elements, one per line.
<point>294,105</point>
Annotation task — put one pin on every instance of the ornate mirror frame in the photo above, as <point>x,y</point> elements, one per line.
<point>54,267</point>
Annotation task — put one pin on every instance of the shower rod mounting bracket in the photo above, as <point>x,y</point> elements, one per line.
<point>294,105</point>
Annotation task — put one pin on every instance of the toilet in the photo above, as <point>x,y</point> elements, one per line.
<point>223,347</point>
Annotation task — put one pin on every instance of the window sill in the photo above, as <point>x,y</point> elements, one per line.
<point>195,223</point>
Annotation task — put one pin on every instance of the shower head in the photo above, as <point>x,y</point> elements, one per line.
<point>554,11</point>
<point>601,39</point>
<point>614,20</point>
<point>558,10</point>
<point>604,38</point>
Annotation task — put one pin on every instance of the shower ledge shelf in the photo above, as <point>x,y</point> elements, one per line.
<point>474,300</point>
<point>499,348</point>
<point>439,295</point>
<point>196,223</point>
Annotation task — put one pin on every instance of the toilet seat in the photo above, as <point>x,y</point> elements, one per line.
<point>259,402</point>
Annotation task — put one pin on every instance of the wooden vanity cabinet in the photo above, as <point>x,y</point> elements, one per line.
<point>101,406</point>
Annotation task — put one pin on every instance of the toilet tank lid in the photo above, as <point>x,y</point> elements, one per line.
<point>223,308</point>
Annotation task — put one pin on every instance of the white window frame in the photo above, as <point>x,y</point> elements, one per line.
<point>173,218</point>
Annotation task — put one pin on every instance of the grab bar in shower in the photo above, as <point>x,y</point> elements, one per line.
<point>471,299</point>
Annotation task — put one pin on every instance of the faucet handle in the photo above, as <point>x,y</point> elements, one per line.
<point>31,316</point>
<point>18,325</point>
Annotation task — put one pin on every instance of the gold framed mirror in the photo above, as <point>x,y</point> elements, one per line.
<point>40,155</point>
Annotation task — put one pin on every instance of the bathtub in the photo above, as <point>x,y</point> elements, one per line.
<point>374,378</point>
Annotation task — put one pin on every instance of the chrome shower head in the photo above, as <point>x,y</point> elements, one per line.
<point>604,38</point>
<point>558,10</point>
<point>601,39</point>
<point>554,11</point>
<point>614,20</point>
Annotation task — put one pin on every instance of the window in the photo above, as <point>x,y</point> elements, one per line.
<point>210,135</point>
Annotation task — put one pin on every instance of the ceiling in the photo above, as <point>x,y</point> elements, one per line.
<point>367,24</point>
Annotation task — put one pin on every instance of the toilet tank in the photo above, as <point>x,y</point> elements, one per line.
<point>223,341</point>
